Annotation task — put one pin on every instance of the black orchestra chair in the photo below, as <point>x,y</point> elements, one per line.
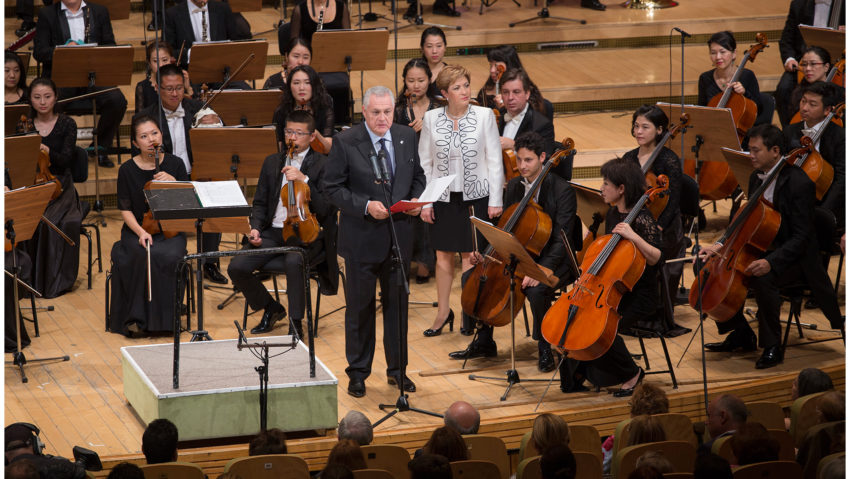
<point>768,106</point>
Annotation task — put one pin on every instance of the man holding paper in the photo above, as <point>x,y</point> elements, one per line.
<point>359,155</point>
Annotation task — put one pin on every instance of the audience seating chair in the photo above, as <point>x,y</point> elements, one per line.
<point>388,457</point>
<point>270,466</point>
<point>583,438</point>
<point>823,462</point>
<point>769,470</point>
<point>681,455</point>
<point>587,465</point>
<point>803,416</point>
<point>768,414</point>
<point>372,474</point>
<point>173,470</point>
<point>679,475</point>
<point>723,446</point>
<point>489,448</point>
<point>529,468</point>
<point>677,427</point>
<point>472,469</point>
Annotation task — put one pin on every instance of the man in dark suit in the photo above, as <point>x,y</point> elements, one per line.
<point>365,241</point>
<point>267,218</point>
<point>176,122</point>
<point>558,200</point>
<point>193,21</point>
<point>817,102</point>
<point>726,414</point>
<point>791,44</point>
<point>75,22</point>
<point>793,254</point>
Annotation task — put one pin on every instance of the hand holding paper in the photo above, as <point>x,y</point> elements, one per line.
<point>431,194</point>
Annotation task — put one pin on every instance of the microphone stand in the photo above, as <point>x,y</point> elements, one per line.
<point>401,404</point>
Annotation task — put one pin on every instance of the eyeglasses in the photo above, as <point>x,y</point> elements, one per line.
<point>811,64</point>
<point>296,132</point>
<point>172,89</point>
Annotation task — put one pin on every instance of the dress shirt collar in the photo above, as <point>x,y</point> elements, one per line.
<point>374,138</point>
<point>68,11</point>
<point>516,119</point>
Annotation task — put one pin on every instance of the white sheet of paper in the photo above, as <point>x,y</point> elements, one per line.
<point>435,189</point>
<point>219,193</point>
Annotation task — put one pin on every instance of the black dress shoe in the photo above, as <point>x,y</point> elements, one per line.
<point>476,350</point>
<point>734,340</point>
<point>408,384</point>
<point>441,8</point>
<point>272,314</point>
<point>105,162</point>
<point>450,320</point>
<point>593,5</point>
<point>356,388</point>
<point>25,28</point>
<point>213,273</point>
<point>546,362</point>
<point>771,357</point>
<point>623,392</point>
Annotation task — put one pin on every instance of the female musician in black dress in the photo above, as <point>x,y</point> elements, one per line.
<point>298,52</point>
<point>55,261</point>
<point>433,45</point>
<point>649,125</point>
<point>306,91</point>
<point>815,65</point>
<point>310,16</point>
<point>145,90</point>
<point>622,186</point>
<point>506,56</point>
<point>15,77</point>
<point>721,50</point>
<point>409,110</point>
<point>130,312</point>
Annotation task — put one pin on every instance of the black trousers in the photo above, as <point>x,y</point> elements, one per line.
<point>783,92</point>
<point>539,299</point>
<point>360,316</point>
<point>241,272</point>
<point>110,110</point>
<point>210,242</point>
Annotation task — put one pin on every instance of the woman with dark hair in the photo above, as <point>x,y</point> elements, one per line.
<point>506,56</point>
<point>130,312</point>
<point>348,453</point>
<point>310,16</point>
<point>649,125</point>
<point>433,45</point>
<point>146,94</point>
<point>55,262</point>
<point>298,52</point>
<point>721,50</point>
<point>622,186</point>
<point>810,381</point>
<point>448,443</point>
<point>16,80</point>
<point>306,91</point>
<point>815,65</point>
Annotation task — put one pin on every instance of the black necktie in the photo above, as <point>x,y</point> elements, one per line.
<point>388,164</point>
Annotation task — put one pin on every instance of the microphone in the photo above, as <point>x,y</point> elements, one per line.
<point>375,168</point>
<point>684,33</point>
<point>382,157</point>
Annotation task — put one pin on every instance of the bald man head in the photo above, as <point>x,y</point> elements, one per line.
<point>463,418</point>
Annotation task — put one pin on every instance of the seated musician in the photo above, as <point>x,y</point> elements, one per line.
<point>176,119</point>
<point>76,22</point>
<point>146,94</point>
<point>193,21</point>
<point>267,220</point>
<point>15,80</point>
<point>623,184</point>
<point>306,91</point>
<point>721,50</point>
<point>55,261</point>
<point>558,200</point>
<point>505,56</point>
<point>815,65</point>
<point>298,52</point>
<point>517,115</point>
<point>817,102</point>
<point>130,312</point>
<point>793,254</point>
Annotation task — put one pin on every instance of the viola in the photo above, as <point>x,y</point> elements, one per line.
<point>149,224</point>
<point>658,207</point>
<point>812,163</point>
<point>300,223</point>
<point>584,322</point>
<point>486,292</point>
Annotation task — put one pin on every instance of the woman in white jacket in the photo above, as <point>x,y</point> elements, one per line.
<point>463,140</point>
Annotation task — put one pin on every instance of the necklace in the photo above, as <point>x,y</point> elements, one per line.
<point>456,118</point>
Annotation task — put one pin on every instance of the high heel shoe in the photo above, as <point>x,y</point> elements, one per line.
<point>626,392</point>
<point>450,320</point>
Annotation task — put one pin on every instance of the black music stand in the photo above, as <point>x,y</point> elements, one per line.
<point>213,62</point>
<point>87,66</point>
<point>519,261</point>
<point>24,209</point>
<point>543,14</point>
<point>246,107</point>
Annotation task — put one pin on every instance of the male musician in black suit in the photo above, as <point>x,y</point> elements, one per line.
<point>791,45</point>
<point>793,254</point>
<point>558,200</point>
<point>268,216</point>
<point>365,241</point>
<point>193,21</point>
<point>176,121</point>
<point>817,102</point>
<point>74,22</point>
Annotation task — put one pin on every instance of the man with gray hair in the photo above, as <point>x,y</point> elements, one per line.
<point>726,414</point>
<point>365,240</point>
<point>356,426</point>
<point>462,417</point>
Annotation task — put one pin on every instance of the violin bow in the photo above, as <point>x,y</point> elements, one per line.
<point>179,55</point>
<point>228,81</point>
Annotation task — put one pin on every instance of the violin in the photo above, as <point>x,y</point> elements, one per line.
<point>410,98</point>
<point>584,322</point>
<point>42,170</point>
<point>205,94</point>
<point>658,207</point>
<point>836,76</point>
<point>300,223</point>
<point>485,294</point>
<point>500,70</point>
<point>149,224</point>
<point>812,163</point>
<point>508,155</point>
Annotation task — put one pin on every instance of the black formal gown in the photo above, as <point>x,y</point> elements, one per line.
<point>55,262</point>
<point>301,16</point>
<point>707,88</point>
<point>128,303</point>
<point>324,120</point>
<point>275,81</point>
<point>145,94</point>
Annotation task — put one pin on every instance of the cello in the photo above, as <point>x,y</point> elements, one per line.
<point>485,294</point>
<point>657,207</point>
<point>584,322</point>
<point>812,163</point>
<point>300,223</point>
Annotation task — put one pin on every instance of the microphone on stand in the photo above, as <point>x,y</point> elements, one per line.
<point>684,33</point>
<point>382,162</point>
<point>376,169</point>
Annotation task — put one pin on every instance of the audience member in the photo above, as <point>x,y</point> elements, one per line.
<point>548,430</point>
<point>726,414</point>
<point>159,442</point>
<point>833,469</point>
<point>752,443</point>
<point>810,381</point>
<point>23,445</point>
<point>820,442</point>
<point>558,462</point>
<point>656,460</point>
<point>831,407</point>
<point>711,466</point>
<point>645,429</point>
<point>648,399</point>
<point>229,475</point>
<point>646,472</point>
<point>446,442</point>
<point>272,441</point>
<point>126,470</point>
<point>336,471</point>
<point>355,425</point>
<point>430,466</point>
<point>348,453</point>
<point>23,469</point>
<point>462,417</point>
